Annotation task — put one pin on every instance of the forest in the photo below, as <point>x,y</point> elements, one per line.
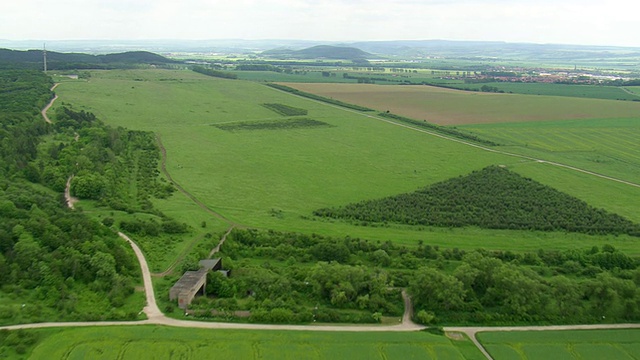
<point>491,198</point>
<point>56,264</point>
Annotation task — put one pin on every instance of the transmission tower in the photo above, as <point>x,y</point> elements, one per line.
<point>44,54</point>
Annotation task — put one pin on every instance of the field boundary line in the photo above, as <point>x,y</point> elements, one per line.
<point>542,161</point>
<point>163,167</point>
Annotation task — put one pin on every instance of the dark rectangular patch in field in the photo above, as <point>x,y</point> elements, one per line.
<point>285,110</point>
<point>284,124</point>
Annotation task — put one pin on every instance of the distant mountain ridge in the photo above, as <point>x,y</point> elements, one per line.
<point>319,52</point>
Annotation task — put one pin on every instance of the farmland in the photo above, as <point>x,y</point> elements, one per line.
<point>170,343</point>
<point>251,175</point>
<point>582,344</point>
<point>222,157</point>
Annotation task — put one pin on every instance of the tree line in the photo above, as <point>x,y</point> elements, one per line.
<point>214,73</point>
<point>451,131</point>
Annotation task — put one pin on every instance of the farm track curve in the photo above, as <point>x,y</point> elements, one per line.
<point>48,106</point>
<point>542,161</point>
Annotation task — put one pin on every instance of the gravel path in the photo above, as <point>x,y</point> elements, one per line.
<point>46,108</point>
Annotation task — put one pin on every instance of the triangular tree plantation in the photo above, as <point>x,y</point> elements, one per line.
<point>491,198</point>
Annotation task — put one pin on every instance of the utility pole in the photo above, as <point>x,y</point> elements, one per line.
<point>44,54</point>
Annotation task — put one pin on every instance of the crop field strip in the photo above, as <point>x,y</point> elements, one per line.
<point>171,343</point>
<point>577,344</point>
<point>455,107</point>
<point>588,143</point>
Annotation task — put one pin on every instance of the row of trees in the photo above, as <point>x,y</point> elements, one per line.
<point>214,73</point>
<point>493,198</point>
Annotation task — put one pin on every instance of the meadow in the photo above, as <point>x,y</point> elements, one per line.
<point>579,344</point>
<point>176,343</point>
<point>249,176</point>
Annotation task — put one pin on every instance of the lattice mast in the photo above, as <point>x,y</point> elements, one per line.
<point>44,55</point>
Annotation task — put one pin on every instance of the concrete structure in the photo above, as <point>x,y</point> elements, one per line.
<point>192,281</point>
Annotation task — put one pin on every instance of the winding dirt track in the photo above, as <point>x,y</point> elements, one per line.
<point>46,108</point>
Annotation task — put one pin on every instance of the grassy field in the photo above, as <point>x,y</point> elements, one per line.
<point>582,344</point>
<point>175,343</point>
<point>455,107</point>
<point>248,176</point>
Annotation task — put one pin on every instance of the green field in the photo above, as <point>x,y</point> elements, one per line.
<point>176,343</point>
<point>579,344</point>
<point>581,91</point>
<point>247,175</point>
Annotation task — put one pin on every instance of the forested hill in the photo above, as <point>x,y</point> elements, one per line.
<point>55,264</point>
<point>56,60</point>
<point>493,198</point>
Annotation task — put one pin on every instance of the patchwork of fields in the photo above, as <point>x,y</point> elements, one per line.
<point>268,170</point>
<point>248,176</point>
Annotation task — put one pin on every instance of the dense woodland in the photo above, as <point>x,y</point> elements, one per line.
<point>291,277</point>
<point>492,198</point>
<point>56,264</point>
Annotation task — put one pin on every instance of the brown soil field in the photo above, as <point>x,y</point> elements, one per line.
<point>456,107</point>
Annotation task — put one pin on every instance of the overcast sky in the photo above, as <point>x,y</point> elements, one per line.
<point>588,22</point>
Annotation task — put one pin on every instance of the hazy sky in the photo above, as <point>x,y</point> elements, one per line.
<point>589,22</point>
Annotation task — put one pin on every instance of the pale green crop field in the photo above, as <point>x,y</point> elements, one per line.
<point>579,344</point>
<point>633,89</point>
<point>244,175</point>
<point>157,342</point>
<point>607,146</point>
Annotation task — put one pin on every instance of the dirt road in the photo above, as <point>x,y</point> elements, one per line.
<point>70,200</point>
<point>46,108</point>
